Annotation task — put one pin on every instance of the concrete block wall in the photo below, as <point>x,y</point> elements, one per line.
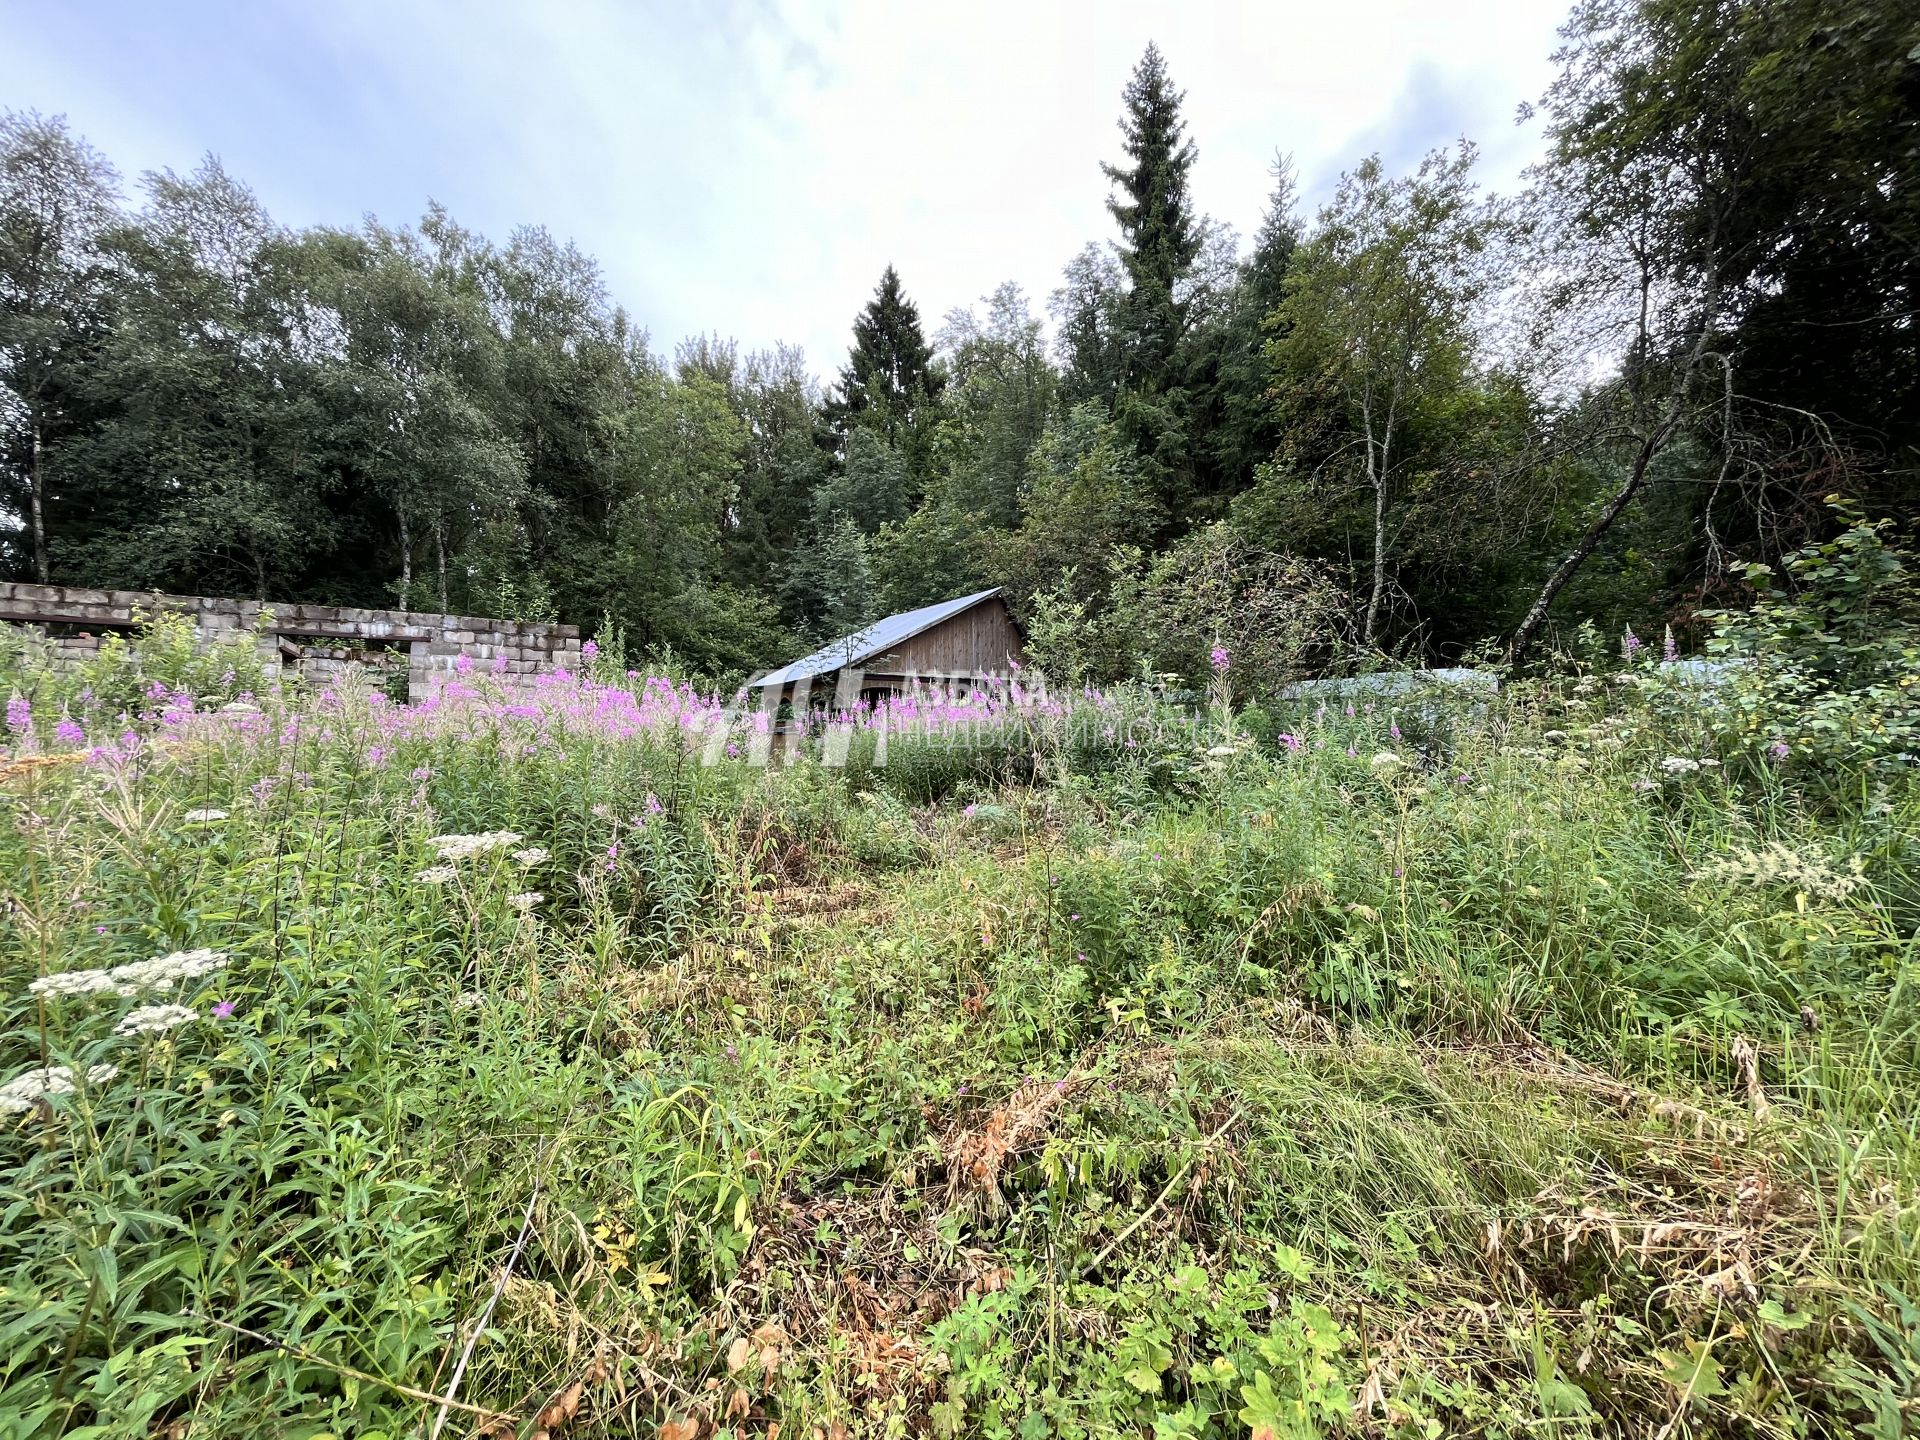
<point>318,642</point>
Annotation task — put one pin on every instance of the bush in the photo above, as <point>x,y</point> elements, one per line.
<point>1826,666</point>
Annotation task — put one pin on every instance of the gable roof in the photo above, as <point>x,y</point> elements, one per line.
<point>880,636</point>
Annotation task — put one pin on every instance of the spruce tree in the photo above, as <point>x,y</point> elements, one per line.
<point>890,378</point>
<point>1236,413</point>
<point>1160,237</point>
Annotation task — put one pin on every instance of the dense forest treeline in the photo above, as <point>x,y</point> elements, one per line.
<point>1425,420</point>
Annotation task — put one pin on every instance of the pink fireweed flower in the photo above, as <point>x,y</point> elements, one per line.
<point>223,1010</point>
<point>589,651</point>
<point>19,714</point>
<point>69,733</point>
<point>1221,659</point>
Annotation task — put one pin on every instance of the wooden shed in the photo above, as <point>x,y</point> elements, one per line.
<point>971,640</point>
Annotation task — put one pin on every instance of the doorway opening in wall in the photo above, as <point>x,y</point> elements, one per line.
<point>319,660</point>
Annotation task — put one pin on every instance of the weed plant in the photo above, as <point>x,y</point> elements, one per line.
<point>1550,1070</point>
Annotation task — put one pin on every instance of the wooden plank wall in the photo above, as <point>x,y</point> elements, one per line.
<point>979,641</point>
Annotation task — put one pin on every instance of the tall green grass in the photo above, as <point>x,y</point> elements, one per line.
<point>1519,1083</point>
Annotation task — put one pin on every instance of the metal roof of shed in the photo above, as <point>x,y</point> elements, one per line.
<point>880,636</point>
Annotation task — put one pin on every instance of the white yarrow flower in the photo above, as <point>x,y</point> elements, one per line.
<point>437,874</point>
<point>77,982</point>
<point>1386,760</point>
<point>166,971</point>
<point>196,817</point>
<point>462,847</point>
<point>532,856</point>
<point>154,1020</point>
<point>525,901</point>
<point>24,1091</point>
<point>1679,765</point>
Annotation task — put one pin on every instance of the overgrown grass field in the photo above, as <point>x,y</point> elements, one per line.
<point>1545,1066</point>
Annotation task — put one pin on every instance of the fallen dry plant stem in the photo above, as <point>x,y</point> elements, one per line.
<point>1147,1214</point>
<point>300,1352</point>
<point>480,1325</point>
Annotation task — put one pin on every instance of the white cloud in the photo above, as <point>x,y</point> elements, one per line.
<point>748,168</point>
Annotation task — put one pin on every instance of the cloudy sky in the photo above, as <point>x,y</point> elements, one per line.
<point>749,166</point>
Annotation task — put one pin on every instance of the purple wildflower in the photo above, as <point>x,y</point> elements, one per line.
<point>68,732</point>
<point>1779,750</point>
<point>589,651</point>
<point>19,714</point>
<point>223,1010</point>
<point>1221,659</point>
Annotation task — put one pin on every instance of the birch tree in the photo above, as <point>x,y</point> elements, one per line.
<point>1375,347</point>
<point>57,198</point>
